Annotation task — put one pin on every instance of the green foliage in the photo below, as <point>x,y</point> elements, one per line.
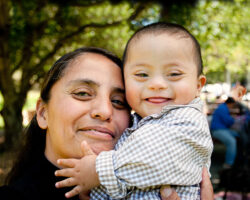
<point>32,97</point>
<point>42,31</point>
<point>222,28</point>
<point>1,122</point>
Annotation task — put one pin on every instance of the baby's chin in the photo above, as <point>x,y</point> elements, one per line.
<point>150,112</point>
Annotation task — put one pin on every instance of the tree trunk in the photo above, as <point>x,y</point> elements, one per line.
<point>13,97</point>
<point>12,115</point>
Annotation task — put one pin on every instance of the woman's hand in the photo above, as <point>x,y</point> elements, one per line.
<point>167,193</point>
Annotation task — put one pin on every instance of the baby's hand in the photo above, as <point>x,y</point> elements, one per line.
<point>80,172</point>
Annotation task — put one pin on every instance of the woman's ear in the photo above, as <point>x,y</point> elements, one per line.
<point>201,82</point>
<point>41,114</point>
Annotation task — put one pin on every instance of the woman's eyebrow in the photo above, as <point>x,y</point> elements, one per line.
<point>83,82</point>
<point>118,90</point>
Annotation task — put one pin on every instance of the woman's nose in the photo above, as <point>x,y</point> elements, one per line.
<point>157,83</point>
<point>102,110</point>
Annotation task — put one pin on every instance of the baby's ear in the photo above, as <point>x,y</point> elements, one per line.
<point>201,82</point>
<point>41,114</point>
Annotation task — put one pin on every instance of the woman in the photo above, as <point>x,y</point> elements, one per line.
<point>82,98</point>
<point>77,103</point>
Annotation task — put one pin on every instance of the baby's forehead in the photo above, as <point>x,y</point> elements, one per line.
<point>178,35</point>
<point>163,40</point>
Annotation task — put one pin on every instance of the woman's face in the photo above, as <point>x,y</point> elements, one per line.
<point>87,103</point>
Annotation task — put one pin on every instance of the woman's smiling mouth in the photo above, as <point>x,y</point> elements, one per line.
<point>97,132</point>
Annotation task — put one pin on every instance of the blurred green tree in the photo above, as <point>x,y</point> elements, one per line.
<point>36,32</point>
<point>223,30</point>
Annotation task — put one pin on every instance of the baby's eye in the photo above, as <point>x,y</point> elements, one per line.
<point>174,74</point>
<point>141,74</point>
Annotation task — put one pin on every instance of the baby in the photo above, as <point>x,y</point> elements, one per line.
<point>169,142</point>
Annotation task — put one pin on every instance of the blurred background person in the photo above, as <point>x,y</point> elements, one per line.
<point>220,129</point>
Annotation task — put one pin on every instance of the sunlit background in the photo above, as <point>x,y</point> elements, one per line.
<point>35,33</point>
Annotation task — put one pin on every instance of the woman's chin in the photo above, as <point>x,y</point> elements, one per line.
<point>103,147</point>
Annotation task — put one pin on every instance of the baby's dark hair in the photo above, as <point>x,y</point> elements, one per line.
<point>171,29</point>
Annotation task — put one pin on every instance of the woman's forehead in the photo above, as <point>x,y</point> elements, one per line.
<point>93,62</point>
<point>95,67</point>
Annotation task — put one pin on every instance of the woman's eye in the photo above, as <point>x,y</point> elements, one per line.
<point>141,75</point>
<point>119,104</point>
<point>82,94</point>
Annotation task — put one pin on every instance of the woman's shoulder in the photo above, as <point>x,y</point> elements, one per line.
<point>10,193</point>
<point>37,182</point>
<point>23,188</point>
<point>29,184</point>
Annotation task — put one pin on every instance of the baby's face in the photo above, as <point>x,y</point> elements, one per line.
<point>160,70</point>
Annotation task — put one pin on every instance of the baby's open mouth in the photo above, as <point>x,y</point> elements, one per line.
<point>157,99</point>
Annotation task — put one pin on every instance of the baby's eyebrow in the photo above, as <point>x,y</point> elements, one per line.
<point>141,64</point>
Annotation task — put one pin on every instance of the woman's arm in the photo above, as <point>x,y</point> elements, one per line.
<point>207,193</point>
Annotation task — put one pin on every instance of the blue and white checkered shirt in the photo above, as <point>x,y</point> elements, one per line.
<point>169,148</point>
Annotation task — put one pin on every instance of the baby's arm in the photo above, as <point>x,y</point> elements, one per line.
<point>156,154</point>
<point>81,173</point>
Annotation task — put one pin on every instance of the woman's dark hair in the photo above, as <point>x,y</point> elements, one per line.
<point>34,142</point>
<point>171,29</point>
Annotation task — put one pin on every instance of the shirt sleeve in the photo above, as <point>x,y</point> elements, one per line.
<point>157,154</point>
